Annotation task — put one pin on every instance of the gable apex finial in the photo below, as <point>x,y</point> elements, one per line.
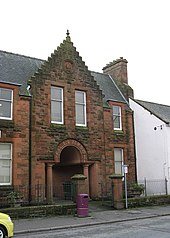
<point>68,33</point>
<point>68,36</point>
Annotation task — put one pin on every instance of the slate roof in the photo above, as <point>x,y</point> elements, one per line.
<point>109,88</point>
<point>18,69</point>
<point>159,110</point>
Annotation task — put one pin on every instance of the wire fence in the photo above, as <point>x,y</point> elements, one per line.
<point>154,187</point>
<point>143,187</point>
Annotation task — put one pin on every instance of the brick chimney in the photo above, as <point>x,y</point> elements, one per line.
<point>118,71</point>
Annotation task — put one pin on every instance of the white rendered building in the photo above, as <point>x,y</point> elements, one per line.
<point>152,135</point>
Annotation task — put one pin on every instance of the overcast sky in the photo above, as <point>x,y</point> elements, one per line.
<point>102,31</point>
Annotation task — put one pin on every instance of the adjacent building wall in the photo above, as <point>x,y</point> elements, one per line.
<point>152,144</point>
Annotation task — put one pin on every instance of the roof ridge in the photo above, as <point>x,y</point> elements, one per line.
<point>118,89</point>
<point>16,54</point>
<point>152,102</point>
<point>92,71</point>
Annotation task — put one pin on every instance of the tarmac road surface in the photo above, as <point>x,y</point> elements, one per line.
<point>156,227</point>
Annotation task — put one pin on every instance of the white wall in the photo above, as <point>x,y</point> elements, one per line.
<point>152,146</point>
<point>168,159</point>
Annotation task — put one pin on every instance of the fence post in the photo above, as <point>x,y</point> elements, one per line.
<point>102,193</point>
<point>112,184</point>
<point>145,187</point>
<point>166,186</point>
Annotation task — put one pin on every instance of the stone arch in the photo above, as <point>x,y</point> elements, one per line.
<point>73,143</point>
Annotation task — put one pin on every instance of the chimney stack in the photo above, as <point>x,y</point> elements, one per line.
<point>118,71</point>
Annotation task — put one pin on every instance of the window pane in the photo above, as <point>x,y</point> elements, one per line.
<point>117,117</point>
<point>118,168</point>
<point>116,122</point>
<point>4,171</point>
<point>5,103</point>
<point>5,94</point>
<point>5,109</point>
<point>118,158</point>
<point>57,105</point>
<point>5,163</point>
<point>116,110</point>
<point>56,93</point>
<point>5,151</point>
<point>56,111</point>
<point>118,155</point>
<point>79,97</point>
<point>80,117</point>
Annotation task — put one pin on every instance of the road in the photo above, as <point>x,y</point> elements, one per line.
<point>144,228</point>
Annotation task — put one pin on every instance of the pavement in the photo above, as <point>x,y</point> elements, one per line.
<point>97,215</point>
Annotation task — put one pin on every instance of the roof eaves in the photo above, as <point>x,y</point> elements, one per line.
<point>12,83</point>
<point>116,101</point>
<point>167,122</point>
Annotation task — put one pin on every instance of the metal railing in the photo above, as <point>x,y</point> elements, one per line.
<point>20,194</point>
<point>154,187</point>
<point>144,187</point>
<point>66,191</point>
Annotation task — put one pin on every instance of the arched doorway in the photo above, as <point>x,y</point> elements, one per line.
<point>70,157</point>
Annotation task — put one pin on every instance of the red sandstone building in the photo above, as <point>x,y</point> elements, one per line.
<point>58,119</point>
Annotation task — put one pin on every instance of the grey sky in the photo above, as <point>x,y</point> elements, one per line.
<point>102,31</point>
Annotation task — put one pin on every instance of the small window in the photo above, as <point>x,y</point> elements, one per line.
<point>6,98</point>
<point>80,101</point>
<point>57,105</point>
<point>5,163</point>
<point>117,121</point>
<point>118,159</point>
